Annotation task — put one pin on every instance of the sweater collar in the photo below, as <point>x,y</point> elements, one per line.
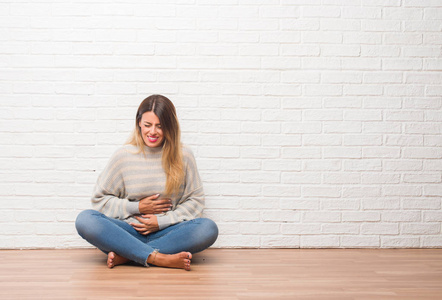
<point>155,150</point>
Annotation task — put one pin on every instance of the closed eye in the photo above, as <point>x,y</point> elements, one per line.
<point>148,125</point>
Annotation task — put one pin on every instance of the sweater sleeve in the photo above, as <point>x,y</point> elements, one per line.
<point>108,197</point>
<point>191,204</point>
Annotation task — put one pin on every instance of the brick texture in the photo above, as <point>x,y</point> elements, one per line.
<point>314,123</point>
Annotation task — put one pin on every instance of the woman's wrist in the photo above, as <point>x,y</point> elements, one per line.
<point>132,208</point>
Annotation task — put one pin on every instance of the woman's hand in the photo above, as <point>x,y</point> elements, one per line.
<point>149,224</point>
<point>152,205</point>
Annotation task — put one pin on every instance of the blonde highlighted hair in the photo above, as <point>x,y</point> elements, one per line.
<point>172,159</point>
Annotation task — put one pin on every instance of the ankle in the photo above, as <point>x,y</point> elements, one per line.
<point>153,257</point>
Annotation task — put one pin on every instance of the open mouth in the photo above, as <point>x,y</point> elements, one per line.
<point>152,139</point>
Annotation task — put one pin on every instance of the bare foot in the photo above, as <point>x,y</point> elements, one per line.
<point>114,259</point>
<point>179,261</point>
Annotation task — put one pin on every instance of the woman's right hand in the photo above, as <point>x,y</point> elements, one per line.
<point>152,205</point>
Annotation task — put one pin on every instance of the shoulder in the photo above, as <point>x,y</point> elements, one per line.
<point>186,149</point>
<point>188,156</point>
<point>187,152</point>
<point>123,152</point>
<point>129,149</point>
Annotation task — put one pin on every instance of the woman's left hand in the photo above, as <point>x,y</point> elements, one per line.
<point>149,224</point>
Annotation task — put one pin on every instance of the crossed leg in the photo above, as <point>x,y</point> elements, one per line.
<point>171,247</point>
<point>180,260</point>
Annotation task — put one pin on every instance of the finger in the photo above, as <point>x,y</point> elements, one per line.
<point>145,226</point>
<point>162,201</point>
<point>138,225</point>
<point>164,206</point>
<point>140,219</point>
<point>162,210</point>
<point>144,231</point>
<point>154,197</point>
<point>147,216</point>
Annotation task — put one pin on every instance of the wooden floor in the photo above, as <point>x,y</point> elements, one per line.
<point>227,274</point>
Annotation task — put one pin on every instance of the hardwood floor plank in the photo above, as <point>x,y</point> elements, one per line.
<point>227,274</point>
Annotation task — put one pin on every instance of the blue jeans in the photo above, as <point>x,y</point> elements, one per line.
<point>115,235</point>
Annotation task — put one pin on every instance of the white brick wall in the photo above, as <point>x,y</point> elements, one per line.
<point>315,123</point>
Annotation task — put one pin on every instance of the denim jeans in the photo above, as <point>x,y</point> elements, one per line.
<point>115,235</point>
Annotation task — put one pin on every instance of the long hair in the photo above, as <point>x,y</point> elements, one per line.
<point>172,158</point>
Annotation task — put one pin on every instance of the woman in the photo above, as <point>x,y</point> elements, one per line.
<point>149,198</point>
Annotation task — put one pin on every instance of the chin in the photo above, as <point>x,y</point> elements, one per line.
<point>153,145</point>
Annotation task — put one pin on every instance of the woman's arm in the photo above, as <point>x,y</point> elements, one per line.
<point>109,193</point>
<point>191,204</point>
<point>112,205</point>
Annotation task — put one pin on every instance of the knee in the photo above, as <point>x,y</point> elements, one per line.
<point>84,221</point>
<point>210,229</point>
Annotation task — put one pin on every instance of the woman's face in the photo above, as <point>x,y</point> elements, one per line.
<point>151,130</point>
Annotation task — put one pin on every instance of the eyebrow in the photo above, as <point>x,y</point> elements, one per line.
<point>151,123</point>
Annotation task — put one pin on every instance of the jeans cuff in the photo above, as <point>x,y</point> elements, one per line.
<point>154,252</point>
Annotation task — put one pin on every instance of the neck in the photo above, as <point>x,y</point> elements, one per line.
<point>152,150</point>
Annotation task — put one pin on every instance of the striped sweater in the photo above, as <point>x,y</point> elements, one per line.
<point>130,177</point>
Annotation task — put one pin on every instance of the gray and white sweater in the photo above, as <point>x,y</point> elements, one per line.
<point>129,177</point>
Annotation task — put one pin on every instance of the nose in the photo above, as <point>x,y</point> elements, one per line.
<point>152,130</point>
